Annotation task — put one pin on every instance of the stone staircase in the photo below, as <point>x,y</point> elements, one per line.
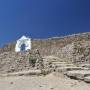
<point>17,64</point>
<point>81,72</point>
<point>59,65</point>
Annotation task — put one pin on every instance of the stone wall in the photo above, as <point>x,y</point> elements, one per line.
<point>77,52</point>
<point>53,46</point>
<point>59,46</point>
<point>81,52</point>
<point>8,47</point>
<point>66,53</point>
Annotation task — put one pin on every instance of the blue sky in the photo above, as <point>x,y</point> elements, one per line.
<point>42,18</point>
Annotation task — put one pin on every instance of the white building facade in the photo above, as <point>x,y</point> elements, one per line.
<point>23,41</point>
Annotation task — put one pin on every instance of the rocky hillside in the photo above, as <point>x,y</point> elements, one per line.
<point>10,62</point>
<point>14,62</point>
<point>51,45</point>
<point>73,48</point>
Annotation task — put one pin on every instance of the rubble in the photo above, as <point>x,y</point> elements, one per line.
<point>14,62</point>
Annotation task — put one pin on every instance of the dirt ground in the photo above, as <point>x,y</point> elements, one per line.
<point>49,82</point>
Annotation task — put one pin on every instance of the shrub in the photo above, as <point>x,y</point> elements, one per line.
<point>32,61</point>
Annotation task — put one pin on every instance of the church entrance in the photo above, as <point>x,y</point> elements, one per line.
<point>23,46</point>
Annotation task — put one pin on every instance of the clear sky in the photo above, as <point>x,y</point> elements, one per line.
<point>42,18</point>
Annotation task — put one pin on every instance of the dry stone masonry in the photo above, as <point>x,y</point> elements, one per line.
<point>14,62</point>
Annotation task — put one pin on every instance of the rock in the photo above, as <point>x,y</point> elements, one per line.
<point>64,69</point>
<point>85,65</point>
<point>78,74</point>
<point>87,79</point>
<point>11,82</point>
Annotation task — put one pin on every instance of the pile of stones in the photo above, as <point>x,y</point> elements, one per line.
<point>14,62</point>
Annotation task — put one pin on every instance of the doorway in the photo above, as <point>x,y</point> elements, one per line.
<point>23,47</point>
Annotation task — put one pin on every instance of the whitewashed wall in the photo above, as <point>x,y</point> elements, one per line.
<point>23,40</point>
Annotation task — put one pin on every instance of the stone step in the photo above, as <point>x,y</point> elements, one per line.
<point>85,65</point>
<point>78,74</point>
<point>59,62</point>
<point>70,68</point>
<point>23,73</point>
<point>87,79</point>
<point>51,60</point>
<point>63,65</point>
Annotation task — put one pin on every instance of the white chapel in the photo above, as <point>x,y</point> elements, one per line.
<point>23,44</point>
